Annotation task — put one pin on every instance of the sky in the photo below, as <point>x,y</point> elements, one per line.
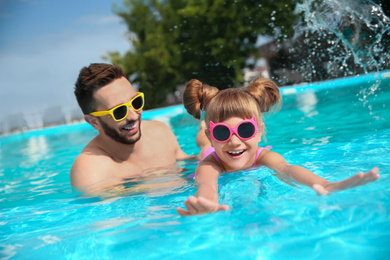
<point>43,46</point>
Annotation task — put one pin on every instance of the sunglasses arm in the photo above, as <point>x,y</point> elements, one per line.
<point>100,113</point>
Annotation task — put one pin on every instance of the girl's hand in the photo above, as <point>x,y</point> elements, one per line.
<point>356,180</point>
<point>200,206</point>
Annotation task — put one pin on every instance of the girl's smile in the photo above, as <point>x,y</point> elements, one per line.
<point>236,153</point>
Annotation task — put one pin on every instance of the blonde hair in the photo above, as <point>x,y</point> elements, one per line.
<point>258,97</point>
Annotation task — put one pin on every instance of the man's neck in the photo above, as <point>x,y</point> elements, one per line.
<point>118,151</point>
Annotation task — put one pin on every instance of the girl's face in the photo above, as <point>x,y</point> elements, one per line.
<point>237,154</point>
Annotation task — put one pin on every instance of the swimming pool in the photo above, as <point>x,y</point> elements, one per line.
<point>334,128</point>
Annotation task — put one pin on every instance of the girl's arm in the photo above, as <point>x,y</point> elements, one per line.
<point>206,177</point>
<point>206,200</point>
<point>284,170</point>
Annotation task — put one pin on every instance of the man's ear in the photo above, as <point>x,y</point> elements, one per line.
<point>93,121</point>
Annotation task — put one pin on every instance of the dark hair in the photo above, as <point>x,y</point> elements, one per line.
<point>259,96</point>
<point>92,78</point>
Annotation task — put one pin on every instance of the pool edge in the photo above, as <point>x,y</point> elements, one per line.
<point>169,111</point>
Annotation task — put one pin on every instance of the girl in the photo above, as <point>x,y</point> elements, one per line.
<point>233,128</point>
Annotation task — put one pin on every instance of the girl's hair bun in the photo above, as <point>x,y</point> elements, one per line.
<point>266,93</point>
<point>196,97</point>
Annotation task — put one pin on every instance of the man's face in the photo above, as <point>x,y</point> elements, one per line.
<point>128,130</point>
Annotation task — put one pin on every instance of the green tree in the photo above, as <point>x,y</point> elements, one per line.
<point>174,41</point>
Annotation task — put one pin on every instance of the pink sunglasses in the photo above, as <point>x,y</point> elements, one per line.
<point>245,130</point>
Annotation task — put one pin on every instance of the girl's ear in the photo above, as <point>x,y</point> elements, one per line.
<point>207,133</point>
<point>261,131</point>
<point>93,121</point>
<point>261,128</point>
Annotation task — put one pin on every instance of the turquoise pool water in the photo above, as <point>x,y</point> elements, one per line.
<point>335,128</point>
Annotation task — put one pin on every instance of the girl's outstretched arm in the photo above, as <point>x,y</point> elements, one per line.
<point>277,163</point>
<point>206,200</point>
<point>354,181</point>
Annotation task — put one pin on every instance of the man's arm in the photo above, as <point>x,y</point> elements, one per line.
<point>88,170</point>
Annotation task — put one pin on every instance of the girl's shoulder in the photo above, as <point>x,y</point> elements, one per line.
<point>265,155</point>
<point>263,151</point>
<point>210,159</point>
<point>268,158</point>
<point>211,162</point>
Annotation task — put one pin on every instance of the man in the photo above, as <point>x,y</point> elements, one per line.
<point>125,146</point>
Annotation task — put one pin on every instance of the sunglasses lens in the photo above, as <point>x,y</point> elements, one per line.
<point>221,133</point>
<point>120,112</point>
<point>138,103</point>
<point>246,130</point>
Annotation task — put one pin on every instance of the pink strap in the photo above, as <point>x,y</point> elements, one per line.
<point>216,157</point>
<point>210,150</point>
<point>259,152</point>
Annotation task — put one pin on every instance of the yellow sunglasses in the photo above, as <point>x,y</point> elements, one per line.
<point>120,112</point>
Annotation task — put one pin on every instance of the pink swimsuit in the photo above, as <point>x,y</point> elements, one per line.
<point>211,151</point>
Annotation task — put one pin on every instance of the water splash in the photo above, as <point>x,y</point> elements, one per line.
<point>358,25</point>
<point>338,38</point>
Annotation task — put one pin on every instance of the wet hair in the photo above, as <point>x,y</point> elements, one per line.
<point>253,100</point>
<point>92,78</point>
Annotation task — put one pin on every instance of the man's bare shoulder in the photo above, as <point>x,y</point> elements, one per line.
<point>90,166</point>
<point>158,124</point>
<point>157,129</point>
